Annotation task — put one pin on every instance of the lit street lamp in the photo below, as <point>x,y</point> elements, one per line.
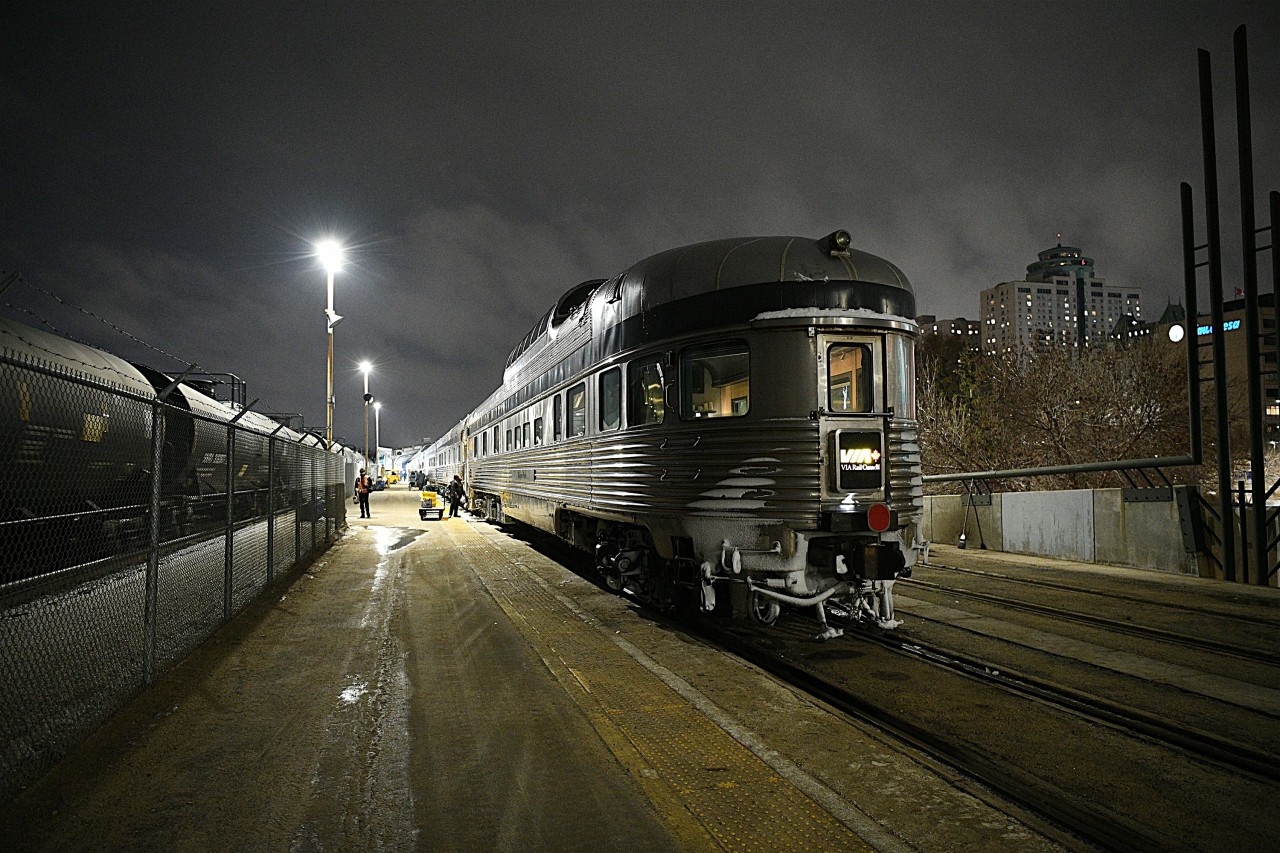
<point>365,368</point>
<point>330,254</point>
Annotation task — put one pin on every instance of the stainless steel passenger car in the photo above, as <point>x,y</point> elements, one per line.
<point>734,416</point>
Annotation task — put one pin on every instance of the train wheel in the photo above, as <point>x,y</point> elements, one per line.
<point>613,580</point>
<point>764,609</point>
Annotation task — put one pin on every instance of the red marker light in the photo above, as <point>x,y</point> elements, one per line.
<point>878,518</point>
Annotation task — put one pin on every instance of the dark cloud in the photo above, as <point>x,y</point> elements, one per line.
<point>167,167</point>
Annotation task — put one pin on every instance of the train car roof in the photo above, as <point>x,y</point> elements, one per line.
<point>767,274</point>
<point>27,344</point>
<point>738,262</point>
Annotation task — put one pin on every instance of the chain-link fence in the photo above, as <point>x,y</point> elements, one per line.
<point>133,523</point>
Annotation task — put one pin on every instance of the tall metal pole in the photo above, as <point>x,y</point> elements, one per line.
<point>377,435</point>
<point>366,421</point>
<point>328,429</point>
<point>1192,321</point>
<point>1253,326</point>
<point>1274,211</point>
<point>1213,238</point>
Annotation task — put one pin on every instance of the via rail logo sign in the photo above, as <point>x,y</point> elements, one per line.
<point>861,464</point>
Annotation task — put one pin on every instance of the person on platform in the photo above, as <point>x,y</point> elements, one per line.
<point>363,487</point>
<point>457,494</point>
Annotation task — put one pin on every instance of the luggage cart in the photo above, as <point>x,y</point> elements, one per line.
<point>431,503</point>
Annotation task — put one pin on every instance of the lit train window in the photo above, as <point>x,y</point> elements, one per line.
<point>537,431</point>
<point>611,399</point>
<point>716,381</point>
<point>849,378</point>
<point>557,417</point>
<point>524,431</point>
<point>496,448</point>
<point>576,418</point>
<point>644,391</point>
<point>508,439</point>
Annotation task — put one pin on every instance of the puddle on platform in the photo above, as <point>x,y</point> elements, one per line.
<point>388,539</point>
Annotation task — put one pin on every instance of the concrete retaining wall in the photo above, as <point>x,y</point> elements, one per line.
<point>1084,525</point>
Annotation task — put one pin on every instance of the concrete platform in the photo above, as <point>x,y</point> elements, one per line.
<point>442,685</point>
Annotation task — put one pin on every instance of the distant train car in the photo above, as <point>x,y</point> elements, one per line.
<point>733,416</point>
<point>76,427</point>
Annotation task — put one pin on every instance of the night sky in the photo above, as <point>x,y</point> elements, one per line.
<point>167,166</point>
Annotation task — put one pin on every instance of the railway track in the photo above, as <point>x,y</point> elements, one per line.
<point>1085,771</point>
<point>1268,621</point>
<point>1069,820</point>
<point>1255,655</point>
<point>1197,742</point>
<point>1063,814</point>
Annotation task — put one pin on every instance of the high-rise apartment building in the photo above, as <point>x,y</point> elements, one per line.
<point>968,330</point>
<point>1062,302</point>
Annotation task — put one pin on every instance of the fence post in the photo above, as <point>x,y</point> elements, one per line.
<point>1244,532</point>
<point>311,507</point>
<point>271,507</point>
<point>153,551</point>
<point>295,457</point>
<point>228,556</point>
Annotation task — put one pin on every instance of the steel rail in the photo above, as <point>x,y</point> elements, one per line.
<point>1224,752</point>
<point>1119,596</point>
<point>1252,655</point>
<point>1070,819</point>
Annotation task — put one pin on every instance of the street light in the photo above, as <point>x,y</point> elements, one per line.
<point>365,368</point>
<point>377,434</point>
<point>330,254</point>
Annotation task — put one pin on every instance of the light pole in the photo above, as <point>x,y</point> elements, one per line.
<point>377,434</point>
<point>330,254</point>
<point>365,368</point>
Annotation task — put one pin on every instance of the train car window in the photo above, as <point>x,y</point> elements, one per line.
<point>484,444</point>
<point>576,418</point>
<point>557,417</point>
<point>849,378</point>
<point>645,404</point>
<point>716,381</point>
<point>537,432</point>
<point>508,439</point>
<point>496,448</point>
<point>611,399</point>
<point>524,442</point>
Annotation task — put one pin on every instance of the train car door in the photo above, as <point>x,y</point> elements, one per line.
<point>852,415</point>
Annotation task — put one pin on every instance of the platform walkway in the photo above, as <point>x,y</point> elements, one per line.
<point>443,686</point>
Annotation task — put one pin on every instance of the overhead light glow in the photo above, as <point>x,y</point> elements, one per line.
<point>330,254</point>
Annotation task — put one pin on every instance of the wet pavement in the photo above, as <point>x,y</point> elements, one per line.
<point>442,685</point>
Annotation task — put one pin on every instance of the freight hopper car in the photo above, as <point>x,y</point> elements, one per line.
<point>76,428</point>
<point>730,423</point>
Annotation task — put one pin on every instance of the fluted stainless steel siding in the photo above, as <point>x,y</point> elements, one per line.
<point>766,471</point>
<point>906,489</point>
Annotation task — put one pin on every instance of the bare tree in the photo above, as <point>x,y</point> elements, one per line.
<point>1052,407</point>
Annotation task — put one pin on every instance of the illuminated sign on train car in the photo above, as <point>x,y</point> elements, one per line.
<point>859,460</point>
